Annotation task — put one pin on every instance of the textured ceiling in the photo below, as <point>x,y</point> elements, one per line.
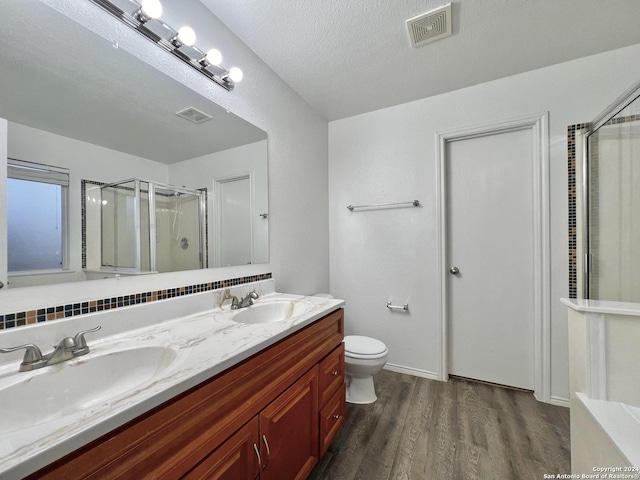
<point>347,57</point>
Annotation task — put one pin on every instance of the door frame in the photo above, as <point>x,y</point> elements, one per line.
<point>538,124</point>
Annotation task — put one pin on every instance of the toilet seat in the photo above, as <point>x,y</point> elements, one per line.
<point>358,346</point>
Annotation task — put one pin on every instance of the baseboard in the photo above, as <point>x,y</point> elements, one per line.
<point>412,371</point>
<point>560,401</point>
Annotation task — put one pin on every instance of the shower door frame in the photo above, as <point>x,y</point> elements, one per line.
<point>137,259</point>
<point>622,102</point>
<point>201,195</point>
<point>202,221</point>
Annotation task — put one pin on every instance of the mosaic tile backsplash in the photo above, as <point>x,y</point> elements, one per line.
<point>19,319</point>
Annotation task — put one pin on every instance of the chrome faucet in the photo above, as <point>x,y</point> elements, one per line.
<point>67,348</point>
<point>61,352</point>
<point>237,303</point>
<point>247,300</point>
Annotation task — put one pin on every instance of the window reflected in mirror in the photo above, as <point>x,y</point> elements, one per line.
<point>36,217</point>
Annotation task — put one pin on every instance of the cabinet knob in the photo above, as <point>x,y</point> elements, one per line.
<point>334,373</point>
<point>336,416</point>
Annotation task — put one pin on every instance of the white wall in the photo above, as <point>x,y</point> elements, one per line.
<point>298,224</point>
<point>389,155</point>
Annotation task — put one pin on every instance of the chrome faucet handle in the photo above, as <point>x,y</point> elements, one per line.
<point>32,356</point>
<point>227,296</point>
<point>81,347</point>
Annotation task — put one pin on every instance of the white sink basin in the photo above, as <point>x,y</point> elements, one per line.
<point>55,391</point>
<point>273,311</point>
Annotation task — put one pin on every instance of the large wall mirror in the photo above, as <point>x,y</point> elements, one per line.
<point>86,108</point>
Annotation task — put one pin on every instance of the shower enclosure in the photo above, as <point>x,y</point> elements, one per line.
<point>611,203</point>
<point>152,227</point>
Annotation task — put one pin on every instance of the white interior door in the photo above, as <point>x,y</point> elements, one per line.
<point>235,221</point>
<point>490,241</point>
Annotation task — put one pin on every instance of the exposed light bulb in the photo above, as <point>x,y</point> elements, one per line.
<point>235,74</point>
<point>214,57</point>
<point>186,36</point>
<point>151,8</point>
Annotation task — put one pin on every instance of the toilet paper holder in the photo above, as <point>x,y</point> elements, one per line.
<point>404,307</point>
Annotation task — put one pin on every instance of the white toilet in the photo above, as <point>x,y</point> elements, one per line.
<point>363,358</point>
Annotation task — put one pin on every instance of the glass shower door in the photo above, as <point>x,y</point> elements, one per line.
<point>125,226</point>
<point>152,227</point>
<point>614,207</point>
<point>179,229</point>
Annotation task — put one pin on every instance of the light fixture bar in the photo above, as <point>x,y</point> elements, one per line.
<point>142,23</point>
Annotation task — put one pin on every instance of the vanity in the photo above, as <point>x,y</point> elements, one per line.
<point>209,393</point>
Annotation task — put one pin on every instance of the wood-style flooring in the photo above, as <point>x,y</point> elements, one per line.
<point>423,429</point>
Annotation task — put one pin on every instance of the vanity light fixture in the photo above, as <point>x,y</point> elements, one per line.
<point>144,18</point>
<point>149,10</point>
<point>235,74</point>
<point>213,57</point>
<point>185,36</point>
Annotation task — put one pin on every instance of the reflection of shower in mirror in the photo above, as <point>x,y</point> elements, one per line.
<point>146,227</point>
<point>177,217</point>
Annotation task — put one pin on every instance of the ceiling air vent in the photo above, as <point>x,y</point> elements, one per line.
<point>194,115</point>
<point>430,26</point>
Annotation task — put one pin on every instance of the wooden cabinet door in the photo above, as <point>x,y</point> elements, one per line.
<point>235,459</point>
<point>289,431</point>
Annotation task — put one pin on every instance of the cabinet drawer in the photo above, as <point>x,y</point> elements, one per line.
<point>331,373</point>
<point>332,417</point>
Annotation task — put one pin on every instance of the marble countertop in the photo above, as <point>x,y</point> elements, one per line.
<point>200,346</point>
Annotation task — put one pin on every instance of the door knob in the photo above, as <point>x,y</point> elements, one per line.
<point>454,270</point>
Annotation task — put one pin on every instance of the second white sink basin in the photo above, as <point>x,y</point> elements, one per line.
<point>273,311</point>
<point>71,387</point>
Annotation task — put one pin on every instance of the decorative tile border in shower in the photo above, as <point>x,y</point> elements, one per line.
<point>19,319</point>
<point>625,119</point>
<point>572,233</point>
